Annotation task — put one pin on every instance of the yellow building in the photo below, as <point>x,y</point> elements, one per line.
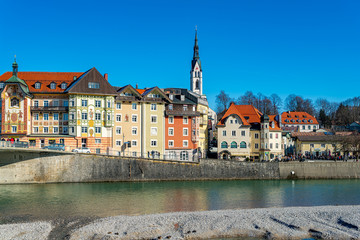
<point>317,145</point>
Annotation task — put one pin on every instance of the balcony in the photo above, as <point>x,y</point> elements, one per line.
<point>126,98</point>
<point>49,109</point>
<point>181,113</point>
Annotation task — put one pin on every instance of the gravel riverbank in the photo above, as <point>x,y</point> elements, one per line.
<point>325,222</point>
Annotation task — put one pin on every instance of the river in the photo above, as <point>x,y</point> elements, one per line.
<point>48,201</point>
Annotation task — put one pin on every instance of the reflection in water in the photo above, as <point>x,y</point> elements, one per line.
<point>109,199</point>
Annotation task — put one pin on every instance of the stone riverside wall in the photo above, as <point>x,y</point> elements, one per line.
<point>46,168</point>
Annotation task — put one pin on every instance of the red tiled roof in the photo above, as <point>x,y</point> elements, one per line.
<point>45,78</point>
<point>232,110</point>
<point>297,118</point>
<point>249,112</point>
<point>141,91</point>
<point>276,123</point>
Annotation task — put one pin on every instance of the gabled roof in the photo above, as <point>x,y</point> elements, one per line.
<point>120,90</point>
<point>297,118</point>
<point>147,91</point>
<point>81,85</point>
<point>276,123</point>
<point>45,78</point>
<point>233,110</point>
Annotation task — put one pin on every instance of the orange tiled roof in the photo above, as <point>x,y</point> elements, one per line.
<point>45,78</point>
<point>297,118</point>
<point>276,123</point>
<point>232,110</point>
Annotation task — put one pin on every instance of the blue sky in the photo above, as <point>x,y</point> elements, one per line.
<point>309,48</point>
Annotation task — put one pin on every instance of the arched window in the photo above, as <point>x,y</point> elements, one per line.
<point>52,85</point>
<point>224,145</point>
<point>184,156</point>
<point>243,144</point>
<point>234,145</point>
<point>197,84</point>
<point>15,102</point>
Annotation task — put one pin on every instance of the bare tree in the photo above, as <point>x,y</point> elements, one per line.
<point>276,103</point>
<point>247,99</point>
<point>298,104</point>
<point>222,100</point>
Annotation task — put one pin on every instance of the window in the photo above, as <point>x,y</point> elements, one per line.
<point>118,130</point>
<point>256,135</point>
<point>224,133</point>
<point>84,129</point>
<point>97,129</point>
<point>171,132</point>
<point>84,116</point>
<point>52,85</point>
<point>109,104</point>
<point>36,116</point>
<point>65,129</point>
<point>35,129</point>
<point>109,117</point>
<point>231,121</point>
<point>97,140</point>
<point>154,119</point>
<point>84,103</point>
<point>46,103</point>
<point>233,133</point>
<point>97,103</point>
<point>185,107</point>
<point>243,144</point>
<point>236,121</point>
<point>98,150</point>
<point>314,127</point>
<point>271,145</point>
<point>118,105</point>
<point>63,85</point>
<point>276,135</point>
<point>56,129</point>
<point>134,131</point>
<point>46,130</point>
<point>32,142</point>
<point>185,120</point>
<point>323,145</point>
<point>36,103</point>
<point>46,116</point>
<point>243,133</point>
<point>72,129</point>
<point>171,107</point>
<point>153,143</point>
<point>72,103</point>
<point>224,145</point>
<point>184,156</point>
<point>153,107</point>
<point>134,106</point>
<point>171,143</point>
<point>72,116</point>
<point>56,116</point>
<point>65,116</point>
<point>118,117</point>
<point>185,131</point>
<point>270,135</point>
<point>303,127</point>
<point>256,145</point>
<point>234,145</point>
<point>97,116</point>
<point>185,143</point>
<point>118,142</point>
<point>133,143</point>
<point>312,145</point>
<point>94,85</point>
<point>37,85</point>
<point>309,127</point>
<point>134,118</point>
<point>1,85</point>
<point>134,154</point>
<point>15,102</point>
<point>171,120</point>
<point>277,145</point>
<point>153,131</point>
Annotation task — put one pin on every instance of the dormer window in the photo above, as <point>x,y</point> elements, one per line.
<point>64,85</point>
<point>94,85</point>
<point>311,121</point>
<point>171,97</point>
<point>52,85</point>
<point>1,85</point>
<point>296,116</point>
<point>305,121</point>
<point>37,85</point>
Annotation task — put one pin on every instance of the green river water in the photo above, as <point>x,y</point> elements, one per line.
<point>48,201</point>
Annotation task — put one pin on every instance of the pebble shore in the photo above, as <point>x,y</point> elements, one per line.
<point>325,222</point>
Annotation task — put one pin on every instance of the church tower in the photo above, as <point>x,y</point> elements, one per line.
<point>196,84</point>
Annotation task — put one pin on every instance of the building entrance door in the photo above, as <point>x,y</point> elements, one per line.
<point>83,142</point>
<point>42,143</point>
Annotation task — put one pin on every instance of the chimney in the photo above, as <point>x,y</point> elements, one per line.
<point>74,78</point>
<point>106,76</point>
<point>137,86</point>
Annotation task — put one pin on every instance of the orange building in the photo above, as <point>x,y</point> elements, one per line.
<point>181,126</point>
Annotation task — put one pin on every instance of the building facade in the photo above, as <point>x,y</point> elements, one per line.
<point>304,121</point>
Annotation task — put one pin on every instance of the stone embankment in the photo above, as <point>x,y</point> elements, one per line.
<point>53,167</point>
<point>326,222</point>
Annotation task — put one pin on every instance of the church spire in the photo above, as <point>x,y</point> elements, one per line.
<point>15,67</point>
<point>196,46</point>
